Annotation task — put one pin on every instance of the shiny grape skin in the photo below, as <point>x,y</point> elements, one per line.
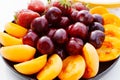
<point>51,32</point>
<point>61,52</point>
<point>45,45</point>
<point>64,22</point>
<point>74,46</point>
<point>60,36</point>
<point>98,18</point>
<point>85,17</point>
<point>73,16</point>
<point>79,6</point>
<point>97,26</point>
<point>53,15</point>
<point>78,30</point>
<point>96,38</point>
<point>66,10</point>
<point>30,39</point>
<point>40,25</point>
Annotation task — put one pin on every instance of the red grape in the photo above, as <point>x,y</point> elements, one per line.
<point>66,10</point>
<point>53,15</point>
<point>73,16</point>
<point>45,45</point>
<point>64,22</point>
<point>85,17</point>
<point>96,26</point>
<point>40,25</point>
<point>60,36</point>
<point>74,46</point>
<point>79,6</point>
<point>96,38</point>
<point>78,30</point>
<point>98,18</point>
<point>30,39</point>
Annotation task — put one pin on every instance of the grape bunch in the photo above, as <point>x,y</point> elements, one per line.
<point>61,27</point>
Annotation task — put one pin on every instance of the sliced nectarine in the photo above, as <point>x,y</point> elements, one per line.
<point>112,30</point>
<point>99,10</point>
<point>73,68</point>
<point>51,69</point>
<point>31,67</point>
<point>92,60</point>
<point>110,18</point>
<point>8,40</point>
<point>15,30</point>
<point>109,50</point>
<point>18,53</point>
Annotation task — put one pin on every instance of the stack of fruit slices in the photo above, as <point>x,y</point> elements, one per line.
<point>64,40</point>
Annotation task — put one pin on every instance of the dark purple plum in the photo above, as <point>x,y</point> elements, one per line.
<point>85,17</point>
<point>74,46</point>
<point>64,22</point>
<point>40,25</point>
<point>79,6</point>
<point>96,38</point>
<point>30,39</point>
<point>78,30</point>
<point>98,18</point>
<point>51,32</point>
<point>97,26</point>
<point>45,45</point>
<point>60,36</point>
<point>73,16</point>
<point>53,15</point>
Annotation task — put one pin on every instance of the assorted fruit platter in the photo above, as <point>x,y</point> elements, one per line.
<point>64,40</point>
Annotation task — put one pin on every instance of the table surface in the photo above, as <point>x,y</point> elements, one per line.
<point>7,9</point>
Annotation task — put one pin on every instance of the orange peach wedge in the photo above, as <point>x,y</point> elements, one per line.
<point>18,53</point>
<point>51,69</point>
<point>31,67</point>
<point>8,40</point>
<point>92,60</point>
<point>110,18</point>
<point>15,30</point>
<point>99,10</point>
<point>110,49</point>
<point>112,30</point>
<point>73,68</point>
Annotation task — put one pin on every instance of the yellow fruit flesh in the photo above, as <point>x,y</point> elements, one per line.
<point>99,10</point>
<point>15,30</point>
<point>73,68</point>
<point>92,61</point>
<point>51,69</point>
<point>110,49</point>
<point>18,53</point>
<point>8,40</point>
<point>105,3</point>
<point>31,67</point>
<point>110,18</point>
<point>112,30</point>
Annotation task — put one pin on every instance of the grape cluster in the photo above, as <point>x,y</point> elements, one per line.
<point>64,29</point>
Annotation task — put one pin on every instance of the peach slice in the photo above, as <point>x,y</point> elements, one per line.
<point>15,30</point>
<point>73,68</point>
<point>8,40</point>
<point>110,49</point>
<point>31,67</point>
<point>92,60</point>
<point>112,30</point>
<point>18,53</point>
<point>51,69</point>
<point>99,10</point>
<point>110,18</point>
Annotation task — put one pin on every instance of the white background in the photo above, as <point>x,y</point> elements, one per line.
<point>7,11</point>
